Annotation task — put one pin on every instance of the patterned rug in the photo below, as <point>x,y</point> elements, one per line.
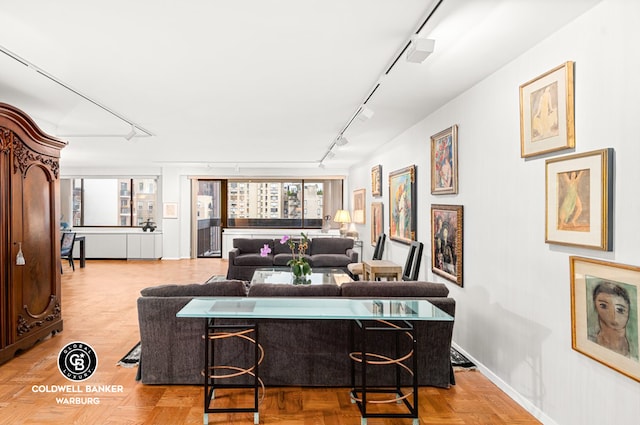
<point>460,362</point>
<point>132,358</point>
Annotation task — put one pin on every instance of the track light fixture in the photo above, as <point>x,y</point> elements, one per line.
<point>420,49</point>
<point>130,135</point>
<point>342,141</point>
<point>365,113</point>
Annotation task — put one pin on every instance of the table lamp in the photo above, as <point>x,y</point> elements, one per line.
<point>343,217</point>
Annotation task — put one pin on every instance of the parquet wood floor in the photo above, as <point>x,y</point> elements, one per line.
<point>99,308</point>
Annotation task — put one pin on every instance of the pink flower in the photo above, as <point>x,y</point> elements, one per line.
<point>284,239</point>
<point>265,250</point>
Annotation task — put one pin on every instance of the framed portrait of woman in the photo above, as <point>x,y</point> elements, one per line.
<point>402,205</point>
<point>444,161</point>
<point>604,313</point>
<point>377,221</point>
<point>579,200</point>
<point>446,243</point>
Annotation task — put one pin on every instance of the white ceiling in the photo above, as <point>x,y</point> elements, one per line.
<point>257,83</point>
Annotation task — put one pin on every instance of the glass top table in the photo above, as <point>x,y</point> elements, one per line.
<point>319,276</point>
<point>312,308</point>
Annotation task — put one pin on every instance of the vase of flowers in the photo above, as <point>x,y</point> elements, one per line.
<point>299,264</point>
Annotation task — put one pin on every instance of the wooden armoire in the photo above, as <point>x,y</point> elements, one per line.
<point>30,305</point>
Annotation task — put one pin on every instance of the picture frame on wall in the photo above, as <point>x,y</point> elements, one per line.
<point>377,221</point>
<point>605,298</point>
<point>579,200</point>
<point>446,244</point>
<point>376,180</point>
<point>403,205</point>
<point>444,162</point>
<point>547,112</point>
<point>359,208</point>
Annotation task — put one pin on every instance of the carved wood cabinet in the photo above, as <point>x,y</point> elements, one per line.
<point>30,302</point>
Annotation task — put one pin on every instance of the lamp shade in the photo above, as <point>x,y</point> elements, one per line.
<point>342,216</point>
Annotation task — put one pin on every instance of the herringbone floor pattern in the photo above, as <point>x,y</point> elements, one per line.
<point>99,308</point>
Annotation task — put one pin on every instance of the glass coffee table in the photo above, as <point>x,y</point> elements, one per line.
<point>319,276</point>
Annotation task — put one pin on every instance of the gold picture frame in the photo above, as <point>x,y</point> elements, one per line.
<point>359,208</point>
<point>403,205</point>
<point>547,112</point>
<point>377,221</point>
<point>446,243</point>
<point>444,162</point>
<point>579,200</point>
<point>605,298</point>
<point>376,180</point>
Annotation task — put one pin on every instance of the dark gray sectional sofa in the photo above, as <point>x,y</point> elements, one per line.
<point>297,352</point>
<point>245,256</point>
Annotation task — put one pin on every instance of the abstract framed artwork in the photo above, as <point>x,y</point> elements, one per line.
<point>376,180</point>
<point>604,313</point>
<point>377,221</point>
<point>359,209</point>
<point>579,200</point>
<point>446,244</point>
<point>444,161</point>
<point>403,205</point>
<point>546,112</point>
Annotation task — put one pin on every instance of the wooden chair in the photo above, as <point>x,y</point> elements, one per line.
<point>66,248</point>
<point>356,269</point>
<point>414,258</point>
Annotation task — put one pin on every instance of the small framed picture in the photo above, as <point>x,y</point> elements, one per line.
<point>444,161</point>
<point>546,112</point>
<point>403,205</point>
<point>579,200</point>
<point>446,245</point>
<point>377,221</point>
<point>376,180</point>
<point>170,210</point>
<point>359,209</point>
<point>604,313</point>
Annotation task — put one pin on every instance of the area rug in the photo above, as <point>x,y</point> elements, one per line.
<point>132,358</point>
<point>460,362</point>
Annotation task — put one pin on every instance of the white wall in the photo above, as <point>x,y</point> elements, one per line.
<point>514,312</point>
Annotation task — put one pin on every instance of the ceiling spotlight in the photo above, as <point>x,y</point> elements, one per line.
<point>321,165</point>
<point>365,113</point>
<point>342,141</point>
<point>331,154</point>
<point>420,49</point>
<point>130,135</point>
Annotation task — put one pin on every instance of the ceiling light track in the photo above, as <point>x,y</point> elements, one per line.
<point>72,90</point>
<point>378,83</point>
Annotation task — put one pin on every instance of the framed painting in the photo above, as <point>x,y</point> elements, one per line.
<point>376,180</point>
<point>446,244</point>
<point>403,205</point>
<point>444,161</point>
<point>377,221</point>
<point>359,209</point>
<point>579,200</point>
<point>170,210</point>
<point>604,313</point>
<point>546,112</point>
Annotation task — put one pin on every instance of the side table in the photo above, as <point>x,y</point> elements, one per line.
<point>374,269</point>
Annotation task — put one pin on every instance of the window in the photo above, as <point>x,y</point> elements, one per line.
<point>111,201</point>
<point>292,203</point>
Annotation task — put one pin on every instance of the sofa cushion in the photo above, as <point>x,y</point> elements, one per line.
<point>253,260</point>
<point>287,290</point>
<point>223,288</point>
<point>330,260</point>
<point>283,259</point>
<point>394,289</point>
<point>251,246</point>
<point>330,245</point>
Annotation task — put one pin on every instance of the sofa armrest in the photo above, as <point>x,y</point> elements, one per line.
<point>353,254</point>
<point>233,253</point>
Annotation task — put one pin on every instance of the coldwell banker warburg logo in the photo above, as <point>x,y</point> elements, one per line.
<point>77,361</point>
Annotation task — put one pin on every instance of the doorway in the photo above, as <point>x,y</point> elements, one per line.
<point>209,199</point>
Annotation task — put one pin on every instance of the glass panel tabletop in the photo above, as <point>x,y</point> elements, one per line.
<point>312,308</point>
<point>319,276</point>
